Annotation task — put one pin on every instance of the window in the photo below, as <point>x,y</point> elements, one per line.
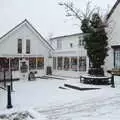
<point>82,63</point>
<point>66,63</point>
<point>54,63</point>
<point>71,45</point>
<point>40,63</point>
<point>14,64</point>
<point>19,45</point>
<point>59,63</point>
<point>28,46</point>
<point>81,41</point>
<point>4,64</point>
<point>117,58</point>
<point>32,63</point>
<point>74,63</point>
<point>59,44</point>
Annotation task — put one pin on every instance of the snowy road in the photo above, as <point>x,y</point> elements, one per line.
<point>46,98</point>
<point>107,108</point>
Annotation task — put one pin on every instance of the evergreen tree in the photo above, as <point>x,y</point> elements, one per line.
<point>95,38</point>
<point>96,43</point>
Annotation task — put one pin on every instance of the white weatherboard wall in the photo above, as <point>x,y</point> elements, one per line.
<point>38,48</point>
<point>113,35</point>
<point>67,51</point>
<point>9,44</point>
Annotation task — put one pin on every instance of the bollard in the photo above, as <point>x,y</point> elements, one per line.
<point>9,104</point>
<point>112,81</point>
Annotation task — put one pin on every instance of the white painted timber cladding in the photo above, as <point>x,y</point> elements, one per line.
<point>66,50</point>
<point>38,47</point>
<point>113,35</point>
<point>9,44</point>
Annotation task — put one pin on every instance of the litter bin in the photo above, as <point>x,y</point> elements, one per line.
<point>49,70</point>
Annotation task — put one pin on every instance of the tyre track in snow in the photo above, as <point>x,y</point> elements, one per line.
<point>87,108</point>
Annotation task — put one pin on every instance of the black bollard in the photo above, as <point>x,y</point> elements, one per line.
<point>9,104</point>
<point>112,81</point>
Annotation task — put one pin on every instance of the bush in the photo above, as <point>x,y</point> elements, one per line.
<point>96,71</point>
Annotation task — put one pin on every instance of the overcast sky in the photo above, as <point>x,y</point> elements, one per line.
<point>45,15</point>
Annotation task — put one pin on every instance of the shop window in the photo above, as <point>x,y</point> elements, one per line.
<point>23,67</point>
<point>74,63</point>
<point>40,63</point>
<point>59,63</point>
<point>4,64</point>
<point>66,63</point>
<point>82,63</point>
<point>32,63</point>
<point>54,63</point>
<point>14,64</point>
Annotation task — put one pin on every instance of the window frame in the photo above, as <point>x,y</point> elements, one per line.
<point>19,46</point>
<point>28,46</point>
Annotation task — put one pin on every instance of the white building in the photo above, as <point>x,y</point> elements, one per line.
<point>113,60</point>
<point>69,54</point>
<point>24,46</point>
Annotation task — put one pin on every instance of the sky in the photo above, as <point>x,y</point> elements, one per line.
<point>45,15</point>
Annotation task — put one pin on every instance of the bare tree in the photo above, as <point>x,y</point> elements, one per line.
<point>72,11</point>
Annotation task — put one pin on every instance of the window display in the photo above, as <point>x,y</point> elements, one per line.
<point>40,63</point>
<point>66,63</point>
<point>54,63</point>
<point>82,63</point>
<point>59,66</point>
<point>32,63</point>
<point>74,63</point>
<point>14,64</point>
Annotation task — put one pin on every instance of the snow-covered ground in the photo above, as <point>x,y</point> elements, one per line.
<point>44,98</point>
